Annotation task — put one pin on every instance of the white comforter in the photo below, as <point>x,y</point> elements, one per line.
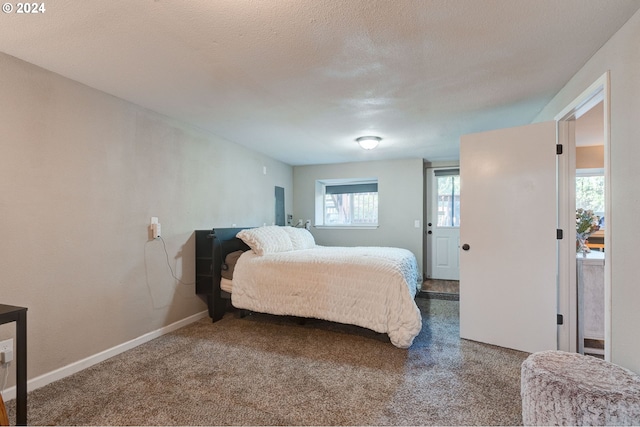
<point>372,287</point>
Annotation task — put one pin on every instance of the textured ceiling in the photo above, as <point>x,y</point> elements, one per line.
<point>299,80</point>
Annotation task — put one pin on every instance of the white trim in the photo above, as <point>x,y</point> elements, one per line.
<point>585,98</point>
<point>608,207</point>
<point>567,282</point>
<point>87,362</point>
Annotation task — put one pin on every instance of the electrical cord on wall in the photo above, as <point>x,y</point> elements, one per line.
<point>164,246</point>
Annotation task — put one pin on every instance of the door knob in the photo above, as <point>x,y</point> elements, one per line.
<point>466,247</point>
<point>429,232</point>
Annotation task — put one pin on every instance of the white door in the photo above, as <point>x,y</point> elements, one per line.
<point>508,261</point>
<point>443,224</point>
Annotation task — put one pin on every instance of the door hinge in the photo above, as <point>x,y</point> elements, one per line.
<point>559,234</point>
<point>558,148</point>
<point>559,319</point>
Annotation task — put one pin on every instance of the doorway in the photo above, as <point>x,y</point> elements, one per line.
<point>443,224</point>
<point>587,114</point>
<point>442,232</point>
<point>590,207</point>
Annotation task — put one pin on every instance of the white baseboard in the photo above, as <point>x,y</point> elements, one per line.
<point>78,366</point>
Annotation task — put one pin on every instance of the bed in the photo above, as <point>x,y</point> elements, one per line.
<point>281,271</point>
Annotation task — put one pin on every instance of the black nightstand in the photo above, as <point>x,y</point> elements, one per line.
<point>10,313</point>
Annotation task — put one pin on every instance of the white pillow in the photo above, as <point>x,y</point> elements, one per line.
<point>265,240</point>
<point>300,238</point>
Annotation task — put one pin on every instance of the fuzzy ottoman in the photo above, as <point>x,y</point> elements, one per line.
<point>560,388</point>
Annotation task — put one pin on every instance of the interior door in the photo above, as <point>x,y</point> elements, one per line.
<point>508,265</point>
<point>443,224</point>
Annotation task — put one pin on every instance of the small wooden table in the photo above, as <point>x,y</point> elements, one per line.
<point>596,240</point>
<point>10,313</point>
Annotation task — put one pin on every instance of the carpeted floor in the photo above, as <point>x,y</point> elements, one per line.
<point>265,370</point>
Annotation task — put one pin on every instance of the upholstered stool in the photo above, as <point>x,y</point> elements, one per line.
<point>560,388</point>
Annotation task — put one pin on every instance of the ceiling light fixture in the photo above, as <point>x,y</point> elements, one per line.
<point>368,142</point>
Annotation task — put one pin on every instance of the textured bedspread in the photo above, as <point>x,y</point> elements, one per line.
<point>372,287</point>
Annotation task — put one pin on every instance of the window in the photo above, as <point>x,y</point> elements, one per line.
<point>448,188</point>
<point>590,190</point>
<point>347,202</point>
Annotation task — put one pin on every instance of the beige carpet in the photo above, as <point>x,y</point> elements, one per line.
<point>264,370</point>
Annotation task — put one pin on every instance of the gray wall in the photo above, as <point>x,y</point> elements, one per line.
<point>81,173</point>
<point>400,193</point>
<point>620,55</point>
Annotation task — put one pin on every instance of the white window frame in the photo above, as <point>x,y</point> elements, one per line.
<point>320,208</point>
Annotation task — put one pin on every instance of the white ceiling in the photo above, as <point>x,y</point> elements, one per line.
<point>299,80</point>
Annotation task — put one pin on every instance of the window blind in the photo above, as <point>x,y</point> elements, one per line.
<point>370,187</point>
<point>446,172</point>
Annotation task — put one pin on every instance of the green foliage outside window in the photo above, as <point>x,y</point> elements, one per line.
<point>590,193</point>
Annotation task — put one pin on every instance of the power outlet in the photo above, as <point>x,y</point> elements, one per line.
<point>6,351</point>
<point>155,227</point>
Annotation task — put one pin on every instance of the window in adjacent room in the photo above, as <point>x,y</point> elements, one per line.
<point>590,190</point>
<point>448,187</point>
<point>347,202</point>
